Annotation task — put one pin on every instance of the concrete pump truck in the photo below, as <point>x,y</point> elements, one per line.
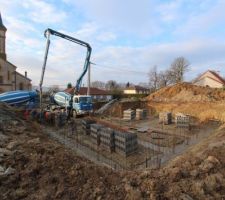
<point>74,104</point>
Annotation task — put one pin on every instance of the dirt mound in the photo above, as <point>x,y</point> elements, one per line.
<point>203,111</point>
<point>198,174</point>
<point>32,166</point>
<point>186,92</point>
<point>8,113</point>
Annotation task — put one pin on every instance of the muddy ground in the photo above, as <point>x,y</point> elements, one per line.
<point>40,168</point>
<point>33,166</point>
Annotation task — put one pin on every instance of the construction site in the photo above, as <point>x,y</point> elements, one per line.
<point>164,146</point>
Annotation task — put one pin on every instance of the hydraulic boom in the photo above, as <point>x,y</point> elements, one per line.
<point>47,34</point>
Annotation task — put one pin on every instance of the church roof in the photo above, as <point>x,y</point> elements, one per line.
<point>1,24</point>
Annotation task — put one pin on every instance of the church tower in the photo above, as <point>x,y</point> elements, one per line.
<point>2,39</point>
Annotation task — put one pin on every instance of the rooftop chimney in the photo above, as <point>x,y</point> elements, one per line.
<point>26,74</point>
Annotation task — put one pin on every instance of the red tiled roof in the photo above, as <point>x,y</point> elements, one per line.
<point>83,91</point>
<point>218,76</point>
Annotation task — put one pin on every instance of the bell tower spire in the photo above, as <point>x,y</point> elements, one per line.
<point>3,30</point>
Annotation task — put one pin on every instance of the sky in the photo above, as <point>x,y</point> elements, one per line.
<point>127,37</point>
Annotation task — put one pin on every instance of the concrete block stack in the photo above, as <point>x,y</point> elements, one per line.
<point>139,114</point>
<point>107,139</point>
<point>182,120</point>
<point>95,133</point>
<point>125,143</point>
<point>145,113</point>
<point>165,118</point>
<point>86,125</point>
<point>128,114</point>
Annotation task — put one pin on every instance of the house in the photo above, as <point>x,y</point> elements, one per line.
<point>96,93</point>
<point>211,79</point>
<point>10,79</point>
<point>136,89</point>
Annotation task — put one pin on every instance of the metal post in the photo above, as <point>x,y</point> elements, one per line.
<point>89,78</point>
<point>43,69</point>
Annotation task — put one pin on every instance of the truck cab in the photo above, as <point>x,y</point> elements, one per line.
<point>82,104</point>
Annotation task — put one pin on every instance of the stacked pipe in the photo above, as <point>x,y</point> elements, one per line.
<point>125,143</point>
<point>165,117</point>
<point>95,133</point>
<point>107,139</point>
<point>86,125</point>
<point>128,114</point>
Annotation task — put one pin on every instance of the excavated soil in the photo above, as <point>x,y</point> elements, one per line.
<point>32,166</point>
<point>186,92</point>
<point>203,103</point>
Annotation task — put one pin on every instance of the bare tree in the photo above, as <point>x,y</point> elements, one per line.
<point>178,68</point>
<point>53,89</point>
<point>153,78</point>
<point>98,84</point>
<point>144,84</point>
<point>164,78</point>
<point>111,85</point>
<point>122,85</point>
<point>128,85</point>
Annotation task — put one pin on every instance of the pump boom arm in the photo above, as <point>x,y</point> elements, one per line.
<point>47,34</point>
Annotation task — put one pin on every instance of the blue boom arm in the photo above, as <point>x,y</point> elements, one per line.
<point>80,42</point>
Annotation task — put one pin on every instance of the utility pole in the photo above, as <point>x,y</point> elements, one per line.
<point>47,35</point>
<point>89,79</point>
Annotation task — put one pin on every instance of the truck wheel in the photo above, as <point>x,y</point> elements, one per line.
<point>74,114</point>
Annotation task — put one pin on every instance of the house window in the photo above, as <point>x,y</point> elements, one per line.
<point>8,75</point>
<point>1,79</point>
<point>21,86</point>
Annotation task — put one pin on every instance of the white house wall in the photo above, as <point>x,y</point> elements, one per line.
<point>209,82</point>
<point>130,92</point>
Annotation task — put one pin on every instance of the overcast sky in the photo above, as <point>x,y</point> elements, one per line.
<point>128,37</point>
